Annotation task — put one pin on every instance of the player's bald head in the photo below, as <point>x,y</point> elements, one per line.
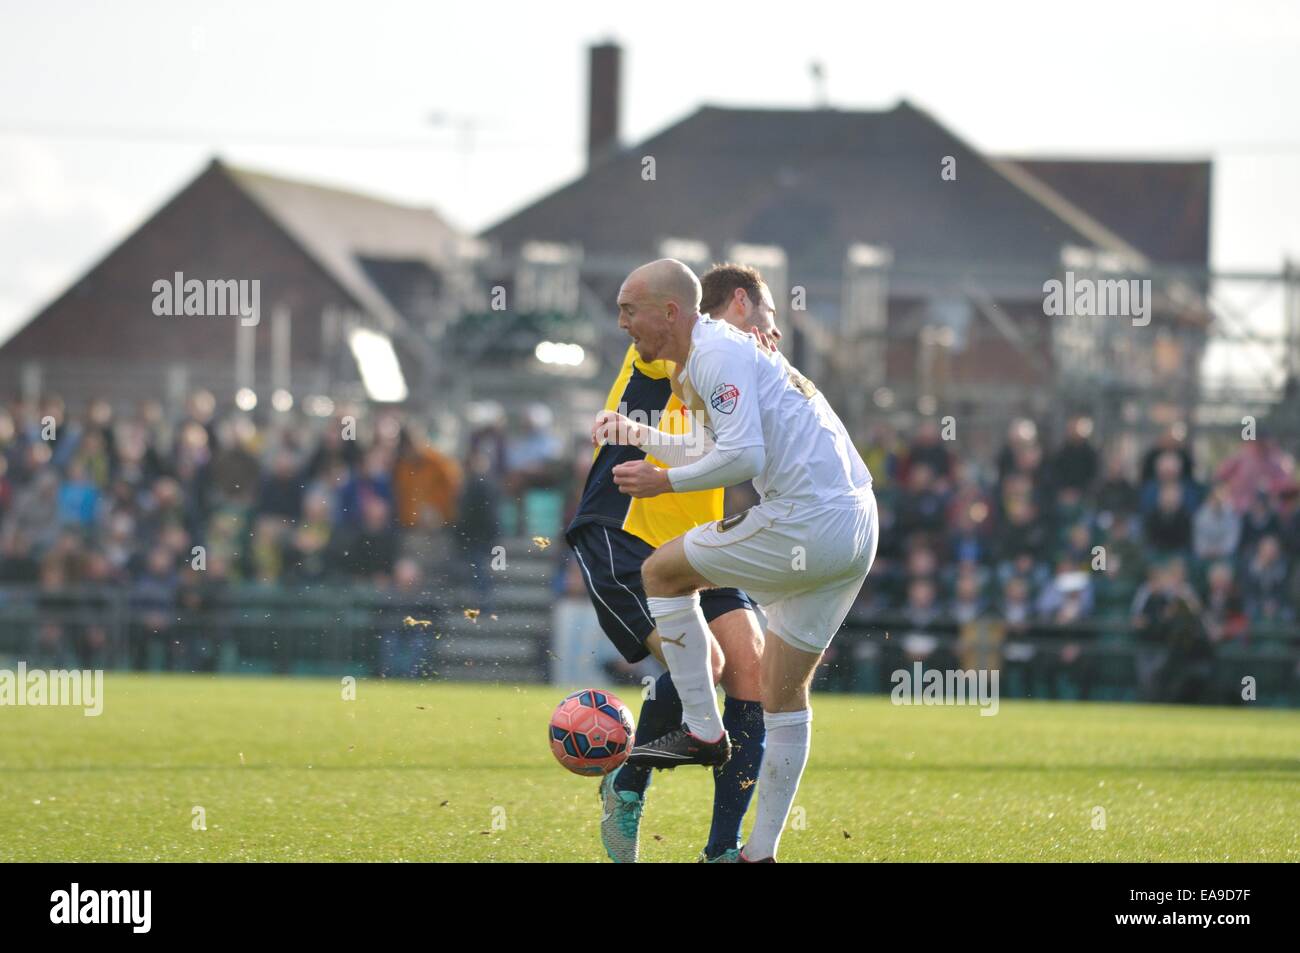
<point>657,306</point>
<point>667,279</point>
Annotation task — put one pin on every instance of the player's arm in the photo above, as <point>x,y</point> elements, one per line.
<point>725,377</point>
<point>672,449</point>
<point>718,468</point>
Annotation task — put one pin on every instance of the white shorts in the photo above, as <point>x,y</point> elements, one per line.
<point>804,564</point>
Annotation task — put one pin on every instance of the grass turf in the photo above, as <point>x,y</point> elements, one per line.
<point>285,770</point>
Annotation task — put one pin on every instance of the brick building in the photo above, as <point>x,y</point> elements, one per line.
<point>344,279</point>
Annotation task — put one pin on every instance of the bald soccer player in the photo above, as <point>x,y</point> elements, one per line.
<point>803,552</point>
<point>612,535</point>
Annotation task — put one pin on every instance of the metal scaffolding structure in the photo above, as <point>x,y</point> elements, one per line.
<point>898,344</point>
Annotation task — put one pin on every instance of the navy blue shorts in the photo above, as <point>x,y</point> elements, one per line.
<point>610,561</point>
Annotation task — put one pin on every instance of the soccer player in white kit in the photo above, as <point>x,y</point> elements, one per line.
<point>803,552</point>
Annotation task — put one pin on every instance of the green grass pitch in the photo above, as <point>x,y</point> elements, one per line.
<point>286,770</point>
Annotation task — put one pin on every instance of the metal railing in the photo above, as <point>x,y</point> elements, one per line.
<point>336,629</point>
<point>1102,658</point>
<point>356,629</point>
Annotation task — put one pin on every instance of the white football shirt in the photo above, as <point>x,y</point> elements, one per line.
<point>754,398</point>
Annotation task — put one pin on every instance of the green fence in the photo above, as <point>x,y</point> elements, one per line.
<point>349,629</point>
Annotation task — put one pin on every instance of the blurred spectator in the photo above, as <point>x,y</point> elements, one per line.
<point>1021,433</point>
<point>425,483</point>
<point>55,606</point>
<point>1168,524</point>
<point>922,609</point>
<point>1259,520</point>
<point>1167,476</point>
<point>1023,533</point>
<point>308,555</point>
<point>969,515</point>
<point>882,453</point>
<point>153,603</point>
<point>1264,585</point>
<point>1288,515</point>
<point>1017,610</point>
<point>1074,465</point>
<point>1172,441</point>
<point>1077,546</point>
<point>161,507</point>
<point>1017,605</point>
<point>336,450</point>
<point>6,485</point>
<point>534,453</point>
<point>280,492</point>
<point>1167,614</point>
<point>1067,598</point>
<point>34,514</point>
<point>1260,466</point>
<point>266,555</point>
<point>487,440</point>
<point>1065,602</point>
<point>1217,528</point>
<point>967,603</point>
<point>534,461</point>
<point>479,529</point>
<point>370,550</point>
<point>200,594</point>
<point>970,525</point>
<point>921,509</point>
<point>927,449</point>
<point>406,648</point>
<point>1119,572</point>
<point>372,482</point>
<point>1225,611</point>
<point>235,470</point>
<point>78,497</point>
<point>1026,471</point>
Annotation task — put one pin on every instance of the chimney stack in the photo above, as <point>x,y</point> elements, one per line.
<point>603,81</point>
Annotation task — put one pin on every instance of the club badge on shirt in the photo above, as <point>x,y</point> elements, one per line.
<point>724,397</point>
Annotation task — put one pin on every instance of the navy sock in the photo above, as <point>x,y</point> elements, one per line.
<point>734,782</point>
<point>661,712</point>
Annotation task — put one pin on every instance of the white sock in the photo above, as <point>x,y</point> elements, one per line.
<point>687,650</point>
<point>789,734</point>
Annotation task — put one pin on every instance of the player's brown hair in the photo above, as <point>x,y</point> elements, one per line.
<point>720,282</point>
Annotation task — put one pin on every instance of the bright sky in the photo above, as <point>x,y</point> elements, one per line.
<point>107,109</point>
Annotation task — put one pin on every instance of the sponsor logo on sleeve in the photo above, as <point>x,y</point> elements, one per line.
<point>724,398</point>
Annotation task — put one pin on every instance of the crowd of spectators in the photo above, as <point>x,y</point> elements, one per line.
<point>174,513</point>
<point>1058,540</point>
<point>1064,542</point>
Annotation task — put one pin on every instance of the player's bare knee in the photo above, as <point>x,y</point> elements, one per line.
<point>742,643</point>
<point>719,660</point>
<point>741,684</point>
<point>661,577</point>
<point>653,579</point>
<point>783,691</point>
<point>743,677</point>
<point>782,698</point>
